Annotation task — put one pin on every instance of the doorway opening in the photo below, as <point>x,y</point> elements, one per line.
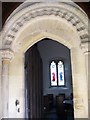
<point>46,96</point>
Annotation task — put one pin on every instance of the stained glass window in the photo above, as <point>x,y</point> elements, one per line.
<point>60,73</point>
<point>53,74</point>
<point>57,73</point>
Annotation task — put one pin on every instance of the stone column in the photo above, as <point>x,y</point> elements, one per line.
<point>88,78</point>
<point>0,87</point>
<point>79,83</point>
<point>6,57</point>
<point>86,50</point>
<point>87,57</point>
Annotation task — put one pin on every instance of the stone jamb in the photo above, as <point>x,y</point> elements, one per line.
<point>6,56</point>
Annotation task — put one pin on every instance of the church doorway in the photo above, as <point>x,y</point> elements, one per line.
<point>28,24</point>
<point>44,98</point>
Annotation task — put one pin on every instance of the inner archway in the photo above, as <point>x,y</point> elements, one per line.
<point>37,67</point>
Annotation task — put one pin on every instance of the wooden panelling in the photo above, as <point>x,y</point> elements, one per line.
<point>34,80</point>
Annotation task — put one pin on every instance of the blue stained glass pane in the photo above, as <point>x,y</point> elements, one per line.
<point>61,76</point>
<point>60,73</point>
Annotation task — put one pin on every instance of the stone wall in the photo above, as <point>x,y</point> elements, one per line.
<point>62,22</point>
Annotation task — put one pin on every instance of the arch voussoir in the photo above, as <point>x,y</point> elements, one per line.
<point>56,11</point>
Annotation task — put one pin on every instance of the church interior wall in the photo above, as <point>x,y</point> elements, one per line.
<point>52,50</point>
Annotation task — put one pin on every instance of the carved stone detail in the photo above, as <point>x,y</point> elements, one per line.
<point>47,11</point>
<point>78,104</point>
<point>85,47</point>
<point>6,54</point>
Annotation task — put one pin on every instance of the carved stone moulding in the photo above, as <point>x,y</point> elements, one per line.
<point>85,46</point>
<point>6,54</point>
<point>26,17</point>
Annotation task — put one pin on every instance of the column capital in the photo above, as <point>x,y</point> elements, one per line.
<point>85,47</point>
<point>6,54</point>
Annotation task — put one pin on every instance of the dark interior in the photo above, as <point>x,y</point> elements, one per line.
<point>58,108</point>
<point>39,105</point>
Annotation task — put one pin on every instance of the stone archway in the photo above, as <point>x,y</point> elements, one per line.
<point>30,25</point>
